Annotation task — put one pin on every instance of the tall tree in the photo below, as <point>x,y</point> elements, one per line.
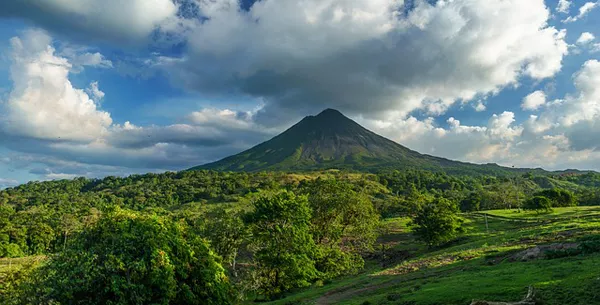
<point>280,226</point>
<point>344,223</point>
<point>226,232</point>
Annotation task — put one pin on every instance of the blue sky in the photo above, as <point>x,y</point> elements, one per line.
<point>92,88</point>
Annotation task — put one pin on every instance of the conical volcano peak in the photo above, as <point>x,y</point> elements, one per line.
<point>332,140</point>
<point>329,119</point>
<point>329,112</point>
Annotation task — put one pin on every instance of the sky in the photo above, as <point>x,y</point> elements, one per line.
<point>98,88</point>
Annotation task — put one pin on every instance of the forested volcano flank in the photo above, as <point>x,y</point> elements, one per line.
<point>331,140</point>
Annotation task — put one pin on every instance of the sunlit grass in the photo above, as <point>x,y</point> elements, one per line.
<point>479,265</point>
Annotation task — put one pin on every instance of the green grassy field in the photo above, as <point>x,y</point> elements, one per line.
<point>482,264</point>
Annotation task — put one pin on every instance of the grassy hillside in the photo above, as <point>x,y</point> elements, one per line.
<point>484,264</point>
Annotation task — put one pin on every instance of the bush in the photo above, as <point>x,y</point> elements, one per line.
<point>558,197</point>
<point>436,222</point>
<point>590,244</point>
<point>129,258</point>
<point>538,203</point>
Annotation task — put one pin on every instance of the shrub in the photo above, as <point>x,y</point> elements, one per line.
<point>590,244</point>
<point>538,203</point>
<point>436,222</point>
<point>130,258</point>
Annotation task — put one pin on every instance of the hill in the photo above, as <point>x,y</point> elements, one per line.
<point>331,140</point>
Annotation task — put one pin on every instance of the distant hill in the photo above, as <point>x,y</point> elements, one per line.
<point>331,140</point>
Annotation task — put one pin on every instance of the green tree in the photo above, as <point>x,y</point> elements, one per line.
<point>131,258</point>
<point>280,226</point>
<point>226,232</point>
<point>471,203</point>
<point>538,203</point>
<point>344,223</point>
<point>436,221</point>
<point>558,197</point>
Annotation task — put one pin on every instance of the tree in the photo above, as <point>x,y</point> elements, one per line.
<point>226,232</point>
<point>558,197</point>
<point>344,223</point>
<point>538,203</point>
<point>471,203</point>
<point>131,258</point>
<point>69,224</point>
<point>436,222</point>
<point>280,226</point>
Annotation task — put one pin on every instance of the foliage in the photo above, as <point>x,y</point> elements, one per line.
<point>558,197</point>
<point>131,258</point>
<point>471,203</point>
<point>226,232</point>
<point>343,224</point>
<point>280,226</point>
<point>538,203</point>
<point>15,278</point>
<point>460,272</point>
<point>436,222</point>
<point>40,217</point>
<point>590,244</point>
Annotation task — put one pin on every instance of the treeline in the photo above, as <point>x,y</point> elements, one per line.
<point>39,217</point>
<point>204,237</point>
<point>282,240</point>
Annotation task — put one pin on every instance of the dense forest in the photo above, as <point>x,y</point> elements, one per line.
<point>207,237</point>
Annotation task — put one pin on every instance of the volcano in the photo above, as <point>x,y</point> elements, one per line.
<point>331,140</point>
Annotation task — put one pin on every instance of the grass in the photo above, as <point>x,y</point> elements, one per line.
<point>570,212</point>
<point>479,265</point>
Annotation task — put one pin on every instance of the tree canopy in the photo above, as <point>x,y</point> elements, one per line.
<point>132,258</point>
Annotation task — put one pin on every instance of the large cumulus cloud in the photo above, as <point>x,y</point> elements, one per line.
<point>49,121</point>
<point>131,21</point>
<point>563,133</point>
<point>375,60</point>
<point>368,57</point>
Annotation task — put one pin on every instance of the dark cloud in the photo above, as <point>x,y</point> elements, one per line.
<point>115,21</point>
<point>365,57</point>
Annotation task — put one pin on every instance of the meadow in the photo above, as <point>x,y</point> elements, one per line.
<point>482,264</point>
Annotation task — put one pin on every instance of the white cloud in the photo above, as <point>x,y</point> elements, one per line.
<point>479,106</point>
<point>583,11</point>
<point>482,144</point>
<point>534,100</point>
<point>112,20</point>
<point>222,118</point>
<point>565,133</point>
<point>366,57</point>
<point>585,38</point>
<point>4,183</point>
<point>563,6</point>
<point>43,103</point>
<point>95,92</point>
<point>45,115</point>
<point>91,59</point>
<point>291,54</point>
<point>583,106</point>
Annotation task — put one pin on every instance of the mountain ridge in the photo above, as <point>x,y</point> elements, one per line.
<point>331,140</point>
